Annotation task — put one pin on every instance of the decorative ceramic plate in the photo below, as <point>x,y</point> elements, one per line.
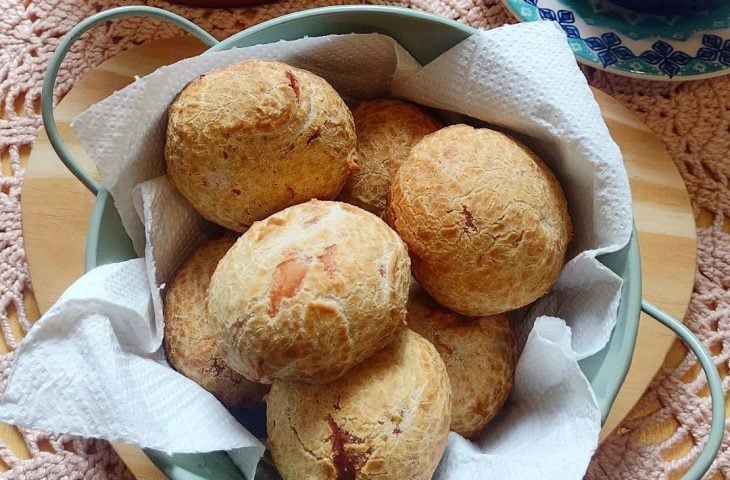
<point>616,39</point>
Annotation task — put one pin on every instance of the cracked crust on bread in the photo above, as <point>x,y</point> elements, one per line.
<point>480,354</point>
<point>386,131</point>
<point>310,292</point>
<point>388,418</point>
<point>485,220</point>
<point>254,137</point>
<point>190,338</point>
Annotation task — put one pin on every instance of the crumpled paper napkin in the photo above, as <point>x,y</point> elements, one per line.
<point>94,366</point>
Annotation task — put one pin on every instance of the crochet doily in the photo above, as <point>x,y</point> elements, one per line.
<point>662,435</point>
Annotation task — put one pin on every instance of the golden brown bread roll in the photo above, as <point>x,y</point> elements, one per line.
<point>309,292</point>
<point>190,340</point>
<point>386,131</point>
<point>480,354</point>
<point>485,220</point>
<point>251,138</point>
<point>387,419</point>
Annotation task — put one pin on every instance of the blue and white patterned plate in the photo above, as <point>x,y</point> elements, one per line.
<point>624,42</point>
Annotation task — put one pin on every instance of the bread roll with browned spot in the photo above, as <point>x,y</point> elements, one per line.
<point>310,292</point>
<point>388,418</point>
<point>485,220</point>
<point>386,131</point>
<point>190,338</point>
<point>254,137</point>
<point>480,354</point>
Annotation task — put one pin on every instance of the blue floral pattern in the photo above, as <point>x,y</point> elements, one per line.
<point>564,18</point>
<point>714,48</point>
<point>669,60</point>
<point>608,48</point>
<point>663,57</point>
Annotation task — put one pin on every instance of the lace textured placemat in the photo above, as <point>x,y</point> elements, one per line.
<point>659,438</point>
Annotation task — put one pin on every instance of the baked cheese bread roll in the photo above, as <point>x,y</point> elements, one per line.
<point>480,354</point>
<point>309,292</point>
<point>386,131</point>
<point>485,220</point>
<point>254,137</point>
<point>386,419</point>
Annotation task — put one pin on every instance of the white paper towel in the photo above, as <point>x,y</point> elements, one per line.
<point>173,230</point>
<point>520,77</point>
<point>90,367</point>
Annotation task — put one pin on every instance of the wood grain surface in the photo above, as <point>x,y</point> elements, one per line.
<point>57,208</point>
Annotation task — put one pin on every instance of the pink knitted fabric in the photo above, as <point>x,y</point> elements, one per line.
<point>692,118</point>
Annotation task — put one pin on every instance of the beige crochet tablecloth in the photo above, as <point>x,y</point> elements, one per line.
<point>660,437</point>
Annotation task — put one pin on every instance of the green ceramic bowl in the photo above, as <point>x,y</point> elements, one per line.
<point>425,36</point>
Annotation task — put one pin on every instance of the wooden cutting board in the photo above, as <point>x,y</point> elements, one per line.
<point>57,208</point>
